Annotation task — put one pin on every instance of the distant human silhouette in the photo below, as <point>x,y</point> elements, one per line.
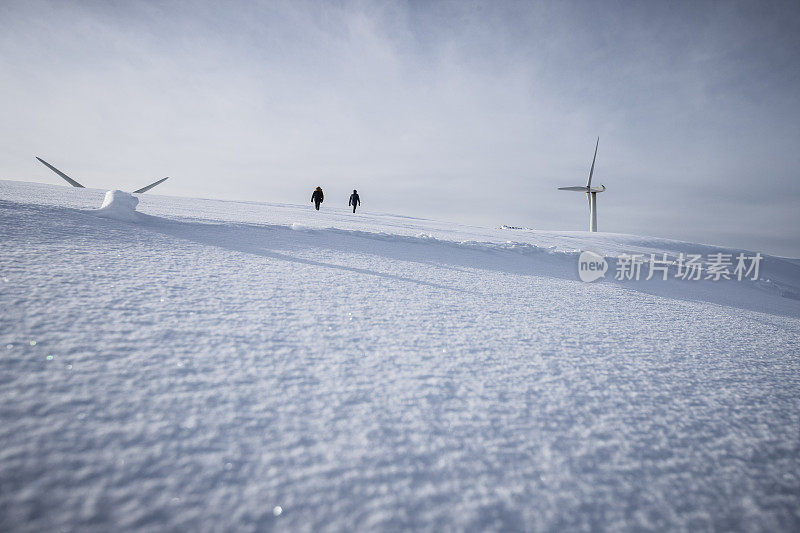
<point>316,197</point>
<point>354,200</point>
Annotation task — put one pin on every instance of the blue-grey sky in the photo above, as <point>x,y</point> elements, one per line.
<point>465,111</point>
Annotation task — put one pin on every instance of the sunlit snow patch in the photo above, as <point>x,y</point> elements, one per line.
<point>119,205</point>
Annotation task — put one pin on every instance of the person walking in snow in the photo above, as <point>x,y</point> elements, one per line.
<point>354,200</point>
<point>316,197</point>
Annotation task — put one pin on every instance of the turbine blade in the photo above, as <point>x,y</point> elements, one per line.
<point>148,187</point>
<point>589,183</point>
<point>577,188</point>
<point>54,169</point>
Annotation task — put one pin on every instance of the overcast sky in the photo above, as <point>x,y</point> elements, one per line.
<point>466,111</point>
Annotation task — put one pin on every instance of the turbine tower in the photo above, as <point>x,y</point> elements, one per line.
<point>591,192</point>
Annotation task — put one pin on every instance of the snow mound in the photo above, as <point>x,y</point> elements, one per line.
<point>119,205</point>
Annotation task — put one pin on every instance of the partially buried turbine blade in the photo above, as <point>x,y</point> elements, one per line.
<point>148,187</point>
<point>54,169</point>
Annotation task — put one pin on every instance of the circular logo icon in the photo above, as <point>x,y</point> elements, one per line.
<point>591,266</point>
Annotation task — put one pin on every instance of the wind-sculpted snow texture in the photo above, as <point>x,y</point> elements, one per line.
<point>220,366</point>
<point>119,205</point>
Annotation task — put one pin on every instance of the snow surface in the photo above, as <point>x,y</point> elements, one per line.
<point>236,366</point>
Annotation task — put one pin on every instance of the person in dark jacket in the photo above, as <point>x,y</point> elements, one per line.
<point>354,200</point>
<point>316,197</point>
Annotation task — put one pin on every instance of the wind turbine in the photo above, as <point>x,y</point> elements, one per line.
<point>76,184</point>
<point>591,192</point>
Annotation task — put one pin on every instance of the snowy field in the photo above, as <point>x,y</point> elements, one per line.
<point>200,365</point>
